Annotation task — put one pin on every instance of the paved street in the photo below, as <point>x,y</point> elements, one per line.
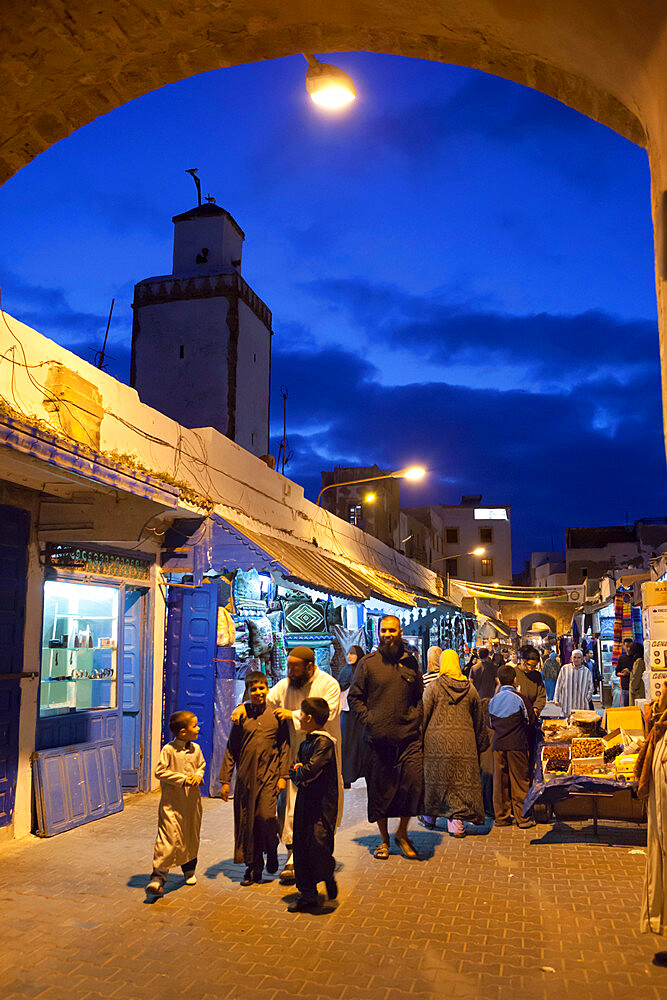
<point>519,914</point>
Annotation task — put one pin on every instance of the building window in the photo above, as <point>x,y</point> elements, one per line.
<point>487,567</point>
<point>452,536</point>
<point>452,567</point>
<point>486,534</point>
<point>354,513</point>
<point>181,353</point>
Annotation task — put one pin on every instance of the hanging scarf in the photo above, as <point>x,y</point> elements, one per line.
<point>656,721</point>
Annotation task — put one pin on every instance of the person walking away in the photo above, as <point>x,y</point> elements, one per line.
<point>386,695</point>
<point>510,720</point>
<point>259,750</point>
<point>574,687</point>
<point>433,665</point>
<point>315,775</point>
<point>636,688</point>
<point>591,663</point>
<point>623,670</point>
<point>455,735</point>
<point>432,673</point>
<point>483,677</point>
<point>304,680</point>
<point>550,672</point>
<point>529,681</point>
<point>351,732</point>
<point>530,685</point>
<point>470,663</point>
<point>180,771</point>
<point>651,773</point>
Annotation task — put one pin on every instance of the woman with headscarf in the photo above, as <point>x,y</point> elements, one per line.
<point>637,668</point>
<point>351,730</point>
<point>454,738</point>
<point>433,665</point>
<point>651,773</point>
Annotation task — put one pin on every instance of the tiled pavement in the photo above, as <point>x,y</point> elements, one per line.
<point>525,915</point>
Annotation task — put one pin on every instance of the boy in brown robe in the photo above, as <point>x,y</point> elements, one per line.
<point>258,747</point>
<point>180,770</point>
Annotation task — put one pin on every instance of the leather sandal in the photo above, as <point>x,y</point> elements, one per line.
<point>407,848</point>
<point>381,852</point>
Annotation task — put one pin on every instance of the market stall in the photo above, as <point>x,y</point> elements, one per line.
<point>584,768</point>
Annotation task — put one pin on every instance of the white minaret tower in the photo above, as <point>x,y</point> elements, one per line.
<point>201,338</point>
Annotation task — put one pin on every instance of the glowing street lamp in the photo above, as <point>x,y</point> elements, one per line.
<point>369,498</point>
<point>329,87</point>
<point>412,472</point>
<point>479,551</point>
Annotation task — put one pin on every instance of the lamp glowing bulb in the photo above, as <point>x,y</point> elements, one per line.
<point>478,551</point>
<point>369,498</point>
<point>329,87</point>
<point>413,472</point>
<point>538,600</point>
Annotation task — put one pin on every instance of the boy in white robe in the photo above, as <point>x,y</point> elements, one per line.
<point>180,770</point>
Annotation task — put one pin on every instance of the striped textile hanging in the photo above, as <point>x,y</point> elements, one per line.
<point>618,627</point>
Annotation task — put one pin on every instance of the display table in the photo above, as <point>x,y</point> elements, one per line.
<point>582,797</point>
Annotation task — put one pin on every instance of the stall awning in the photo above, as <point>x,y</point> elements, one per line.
<point>501,628</point>
<point>307,565</point>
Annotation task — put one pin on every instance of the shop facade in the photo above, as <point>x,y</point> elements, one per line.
<point>80,609</point>
<point>95,662</point>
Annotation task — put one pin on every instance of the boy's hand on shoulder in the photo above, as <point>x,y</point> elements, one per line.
<point>282,714</point>
<point>239,714</point>
<point>224,793</point>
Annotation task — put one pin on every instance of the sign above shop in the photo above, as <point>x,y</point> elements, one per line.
<point>97,562</point>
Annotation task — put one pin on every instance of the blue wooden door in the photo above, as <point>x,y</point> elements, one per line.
<point>14,527</point>
<point>133,627</point>
<point>196,679</point>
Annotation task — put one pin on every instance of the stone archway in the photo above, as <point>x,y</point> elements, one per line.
<point>526,623</point>
<point>67,62</point>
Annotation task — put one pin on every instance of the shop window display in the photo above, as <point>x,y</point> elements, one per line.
<point>79,648</point>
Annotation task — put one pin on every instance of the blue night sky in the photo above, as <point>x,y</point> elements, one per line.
<point>460,272</point>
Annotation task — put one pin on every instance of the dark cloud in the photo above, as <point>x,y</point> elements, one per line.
<point>48,311</point>
<point>557,457</point>
<point>503,113</point>
<point>553,348</point>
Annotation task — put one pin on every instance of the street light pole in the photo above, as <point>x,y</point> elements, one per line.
<point>413,472</point>
<point>479,551</point>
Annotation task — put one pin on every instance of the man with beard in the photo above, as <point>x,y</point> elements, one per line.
<point>304,680</point>
<point>386,697</point>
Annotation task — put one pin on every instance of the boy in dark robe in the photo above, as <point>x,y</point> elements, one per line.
<point>316,776</point>
<point>259,750</point>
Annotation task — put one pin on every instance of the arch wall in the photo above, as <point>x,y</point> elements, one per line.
<point>65,62</point>
<point>527,622</point>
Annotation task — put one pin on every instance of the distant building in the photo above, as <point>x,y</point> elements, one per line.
<point>592,553</point>
<point>457,529</point>
<point>440,536</point>
<point>201,338</point>
<point>547,569</point>
<point>379,517</point>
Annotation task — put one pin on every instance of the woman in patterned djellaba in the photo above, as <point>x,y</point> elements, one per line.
<point>455,736</point>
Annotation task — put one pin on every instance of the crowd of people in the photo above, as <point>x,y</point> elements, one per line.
<point>452,743</point>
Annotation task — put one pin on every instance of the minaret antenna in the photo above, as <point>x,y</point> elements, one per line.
<point>193,174</point>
